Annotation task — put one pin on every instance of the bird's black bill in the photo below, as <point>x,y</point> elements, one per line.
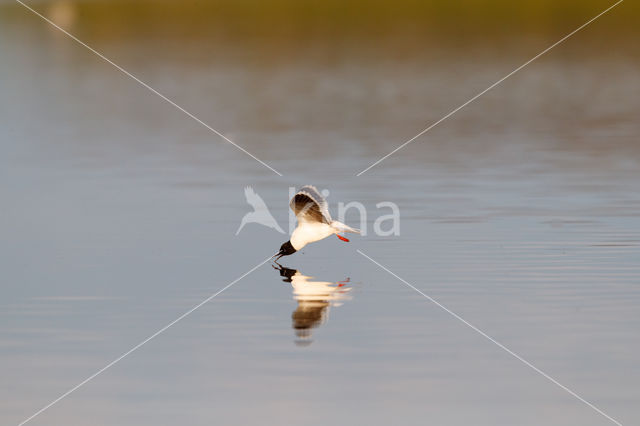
<point>285,250</point>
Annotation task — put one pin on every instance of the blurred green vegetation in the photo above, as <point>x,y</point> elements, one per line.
<point>423,21</point>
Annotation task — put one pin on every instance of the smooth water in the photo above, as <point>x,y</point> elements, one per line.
<point>521,214</point>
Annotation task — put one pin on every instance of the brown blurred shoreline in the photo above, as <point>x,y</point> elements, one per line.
<point>458,23</point>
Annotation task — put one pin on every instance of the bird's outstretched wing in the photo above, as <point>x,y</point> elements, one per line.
<point>310,206</point>
<point>254,199</point>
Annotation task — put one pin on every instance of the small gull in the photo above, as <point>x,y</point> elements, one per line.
<point>314,221</point>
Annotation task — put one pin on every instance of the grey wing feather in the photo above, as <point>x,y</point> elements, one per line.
<point>310,206</point>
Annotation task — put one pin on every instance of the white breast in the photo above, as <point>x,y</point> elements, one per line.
<point>307,233</point>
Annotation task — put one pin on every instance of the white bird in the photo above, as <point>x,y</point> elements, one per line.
<point>260,213</point>
<point>314,221</point>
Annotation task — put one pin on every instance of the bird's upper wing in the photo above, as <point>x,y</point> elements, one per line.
<point>310,206</point>
<point>254,199</point>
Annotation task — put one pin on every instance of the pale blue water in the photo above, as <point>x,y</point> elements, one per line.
<point>520,213</point>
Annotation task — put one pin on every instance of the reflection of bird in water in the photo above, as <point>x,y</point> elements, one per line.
<point>314,300</point>
<point>260,213</point>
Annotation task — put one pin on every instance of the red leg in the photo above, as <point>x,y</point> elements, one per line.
<point>343,282</point>
<point>342,238</point>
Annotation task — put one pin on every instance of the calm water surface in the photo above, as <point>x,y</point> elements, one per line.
<point>521,214</point>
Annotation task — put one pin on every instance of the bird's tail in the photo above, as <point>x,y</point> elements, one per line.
<point>341,227</point>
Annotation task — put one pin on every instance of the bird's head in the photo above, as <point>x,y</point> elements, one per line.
<point>285,250</point>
